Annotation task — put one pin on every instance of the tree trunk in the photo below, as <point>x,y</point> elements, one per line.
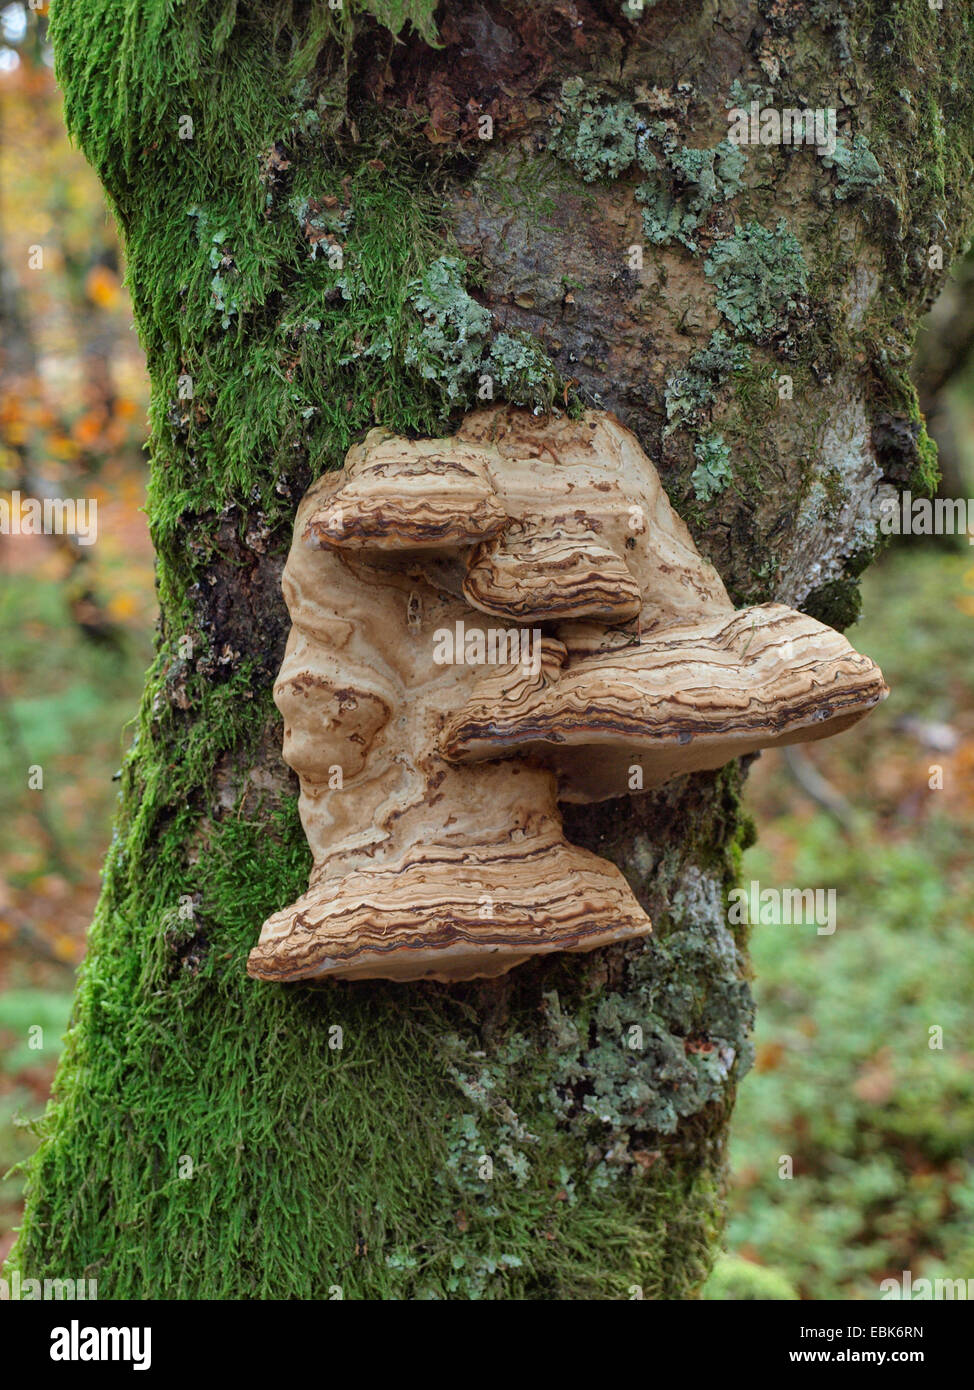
<point>944,346</point>
<point>209,1137</point>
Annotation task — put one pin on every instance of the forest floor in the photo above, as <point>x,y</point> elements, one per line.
<point>849,1080</point>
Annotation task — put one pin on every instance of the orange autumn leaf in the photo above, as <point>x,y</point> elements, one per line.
<point>62,447</point>
<point>102,287</point>
<point>123,606</point>
<point>15,431</point>
<point>87,428</point>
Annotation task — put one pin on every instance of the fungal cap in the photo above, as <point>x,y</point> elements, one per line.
<point>447,914</point>
<point>690,698</point>
<point>403,494</point>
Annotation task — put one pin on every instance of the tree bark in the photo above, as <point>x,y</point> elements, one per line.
<point>213,1137</point>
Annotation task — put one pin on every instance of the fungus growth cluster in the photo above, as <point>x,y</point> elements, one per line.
<point>429,786</point>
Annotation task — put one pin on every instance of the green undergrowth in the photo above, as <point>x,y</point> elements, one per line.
<point>876,1120</point>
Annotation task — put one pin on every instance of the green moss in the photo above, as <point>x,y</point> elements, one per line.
<point>303,289</point>
<point>838,603</point>
<point>394,15</point>
<point>760,276</point>
<point>927,476</point>
<point>905,451</point>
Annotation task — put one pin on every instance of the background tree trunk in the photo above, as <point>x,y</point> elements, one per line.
<point>943,350</point>
<point>207,1137</point>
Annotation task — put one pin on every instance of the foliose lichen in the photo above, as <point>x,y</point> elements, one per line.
<point>857,168</point>
<point>713,471</point>
<point>761,279</point>
<point>447,338</point>
<point>448,341</point>
<point>603,139</point>
<point>690,393</point>
<point>599,137</point>
<point>685,186</point>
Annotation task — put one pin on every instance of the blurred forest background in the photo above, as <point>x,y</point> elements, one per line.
<point>879,1126</point>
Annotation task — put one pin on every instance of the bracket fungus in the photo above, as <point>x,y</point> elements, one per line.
<point>433,746</point>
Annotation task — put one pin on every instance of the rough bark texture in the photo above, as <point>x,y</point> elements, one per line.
<point>315,1166</point>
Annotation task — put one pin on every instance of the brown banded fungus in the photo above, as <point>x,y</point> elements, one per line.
<point>485,625</point>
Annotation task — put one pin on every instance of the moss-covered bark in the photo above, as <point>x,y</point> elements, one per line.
<point>209,1137</point>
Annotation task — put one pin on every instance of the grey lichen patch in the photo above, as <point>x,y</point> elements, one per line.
<point>840,512</point>
<point>599,137</point>
<point>448,341</point>
<point>490,1130</point>
<point>697,902</point>
<point>653,1057</point>
<point>618,1074</point>
<point>604,139</point>
<point>684,186</point>
<point>856,166</point>
<point>643,858</point>
<point>713,471</point>
<point>713,174</point>
<point>692,392</point>
<point>859,293</point>
<point>447,344</point>
<point>521,371</point>
<point>761,279</point>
